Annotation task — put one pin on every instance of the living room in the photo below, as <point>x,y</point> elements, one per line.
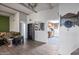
<point>31,25</point>
<point>17,27</point>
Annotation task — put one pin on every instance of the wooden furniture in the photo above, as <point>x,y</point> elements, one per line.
<point>10,38</point>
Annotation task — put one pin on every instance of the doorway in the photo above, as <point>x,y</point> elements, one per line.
<point>53,32</point>
<point>31,31</point>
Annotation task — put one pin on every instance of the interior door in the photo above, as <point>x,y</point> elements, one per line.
<point>31,32</point>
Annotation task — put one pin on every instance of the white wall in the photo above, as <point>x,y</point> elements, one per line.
<point>42,36</point>
<point>14,22</point>
<point>68,39</point>
<point>23,18</point>
<point>43,16</point>
<point>50,14</point>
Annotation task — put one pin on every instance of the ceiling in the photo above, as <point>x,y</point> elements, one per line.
<point>6,11</point>
<point>11,8</point>
<point>45,6</point>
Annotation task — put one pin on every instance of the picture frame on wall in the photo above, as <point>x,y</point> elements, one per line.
<point>42,26</point>
<point>36,26</point>
<point>39,26</point>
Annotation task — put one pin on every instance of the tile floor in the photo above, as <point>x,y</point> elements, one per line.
<point>30,48</point>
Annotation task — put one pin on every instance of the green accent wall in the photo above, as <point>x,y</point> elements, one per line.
<point>4,23</point>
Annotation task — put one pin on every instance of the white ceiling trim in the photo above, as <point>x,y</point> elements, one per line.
<point>13,8</point>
